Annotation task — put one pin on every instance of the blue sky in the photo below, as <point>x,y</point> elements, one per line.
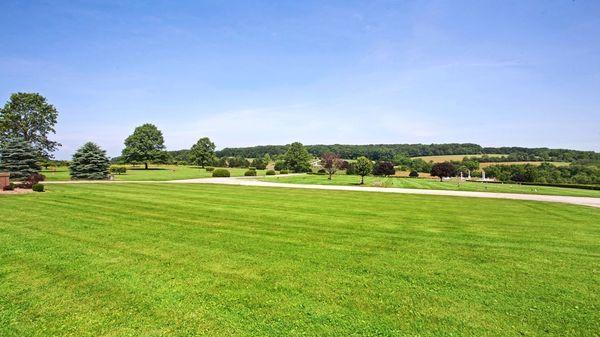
<point>519,73</point>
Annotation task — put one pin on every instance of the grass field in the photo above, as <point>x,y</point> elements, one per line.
<point>433,184</point>
<point>158,173</point>
<point>555,163</point>
<point>151,260</point>
<point>449,157</point>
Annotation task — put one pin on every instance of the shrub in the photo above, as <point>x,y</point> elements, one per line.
<point>251,168</point>
<point>118,170</point>
<point>271,173</point>
<point>280,165</point>
<point>413,174</point>
<point>283,172</point>
<point>9,187</point>
<point>221,173</point>
<point>351,169</point>
<point>32,180</point>
<point>210,169</point>
<point>38,188</point>
<point>321,171</point>
<point>250,173</point>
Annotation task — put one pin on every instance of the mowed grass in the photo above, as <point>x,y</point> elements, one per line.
<point>161,259</point>
<point>154,173</point>
<point>432,184</point>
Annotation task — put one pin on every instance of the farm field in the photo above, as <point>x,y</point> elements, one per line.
<point>450,157</point>
<point>555,163</point>
<point>433,184</point>
<point>162,259</point>
<point>155,173</point>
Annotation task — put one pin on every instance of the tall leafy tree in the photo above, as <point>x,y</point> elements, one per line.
<point>28,116</point>
<point>203,152</point>
<point>297,158</point>
<point>19,159</point>
<point>363,167</point>
<point>145,145</point>
<point>441,170</point>
<point>90,162</point>
<point>331,162</point>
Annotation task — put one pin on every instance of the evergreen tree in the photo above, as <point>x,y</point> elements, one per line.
<point>90,162</point>
<point>18,158</point>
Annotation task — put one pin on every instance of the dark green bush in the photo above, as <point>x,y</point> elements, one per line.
<point>413,174</point>
<point>321,171</point>
<point>38,188</point>
<point>250,173</point>
<point>252,168</point>
<point>118,169</point>
<point>271,173</point>
<point>210,169</point>
<point>221,173</point>
<point>283,172</point>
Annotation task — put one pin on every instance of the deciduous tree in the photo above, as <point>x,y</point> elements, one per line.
<point>28,116</point>
<point>297,158</point>
<point>145,145</point>
<point>203,152</point>
<point>331,162</point>
<point>363,167</point>
<point>441,170</point>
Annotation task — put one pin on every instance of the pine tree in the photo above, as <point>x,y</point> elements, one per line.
<point>18,158</point>
<point>90,162</point>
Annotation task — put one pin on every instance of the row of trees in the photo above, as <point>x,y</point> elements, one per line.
<point>388,152</point>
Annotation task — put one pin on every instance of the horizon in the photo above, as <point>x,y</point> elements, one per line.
<point>248,74</point>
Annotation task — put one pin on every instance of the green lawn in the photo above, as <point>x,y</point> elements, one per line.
<point>162,259</point>
<point>158,173</point>
<point>433,184</point>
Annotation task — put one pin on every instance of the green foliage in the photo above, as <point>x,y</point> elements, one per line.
<point>203,152</point>
<point>145,145</point>
<point>118,169</point>
<point>284,171</point>
<point>297,158</point>
<point>210,169</point>
<point>18,158</point>
<point>280,165</point>
<point>546,173</point>
<point>413,174</point>
<point>28,116</point>
<point>441,170</point>
<point>384,168</point>
<point>271,173</point>
<point>221,173</point>
<point>250,173</point>
<point>260,163</point>
<point>363,166</point>
<point>90,162</point>
<point>38,188</point>
<point>351,169</point>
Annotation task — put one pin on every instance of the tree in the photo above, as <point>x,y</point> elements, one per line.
<point>331,162</point>
<point>267,159</point>
<point>90,162</point>
<point>28,116</point>
<point>259,163</point>
<point>19,159</point>
<point>203,152</point>
<point>145,145</point>
<point>363,166</point>
<point>441,170</point>
<point>384,168</point>
<point>297,158</point>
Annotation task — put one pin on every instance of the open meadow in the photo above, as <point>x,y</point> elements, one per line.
<point>165,259</point>
<point>154,173</point>
<point>431,184</point>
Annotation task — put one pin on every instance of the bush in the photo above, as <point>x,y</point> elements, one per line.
<point>118,170</point>
<point>251,168</point>
<point>271,173</point>
<point>321,171</point>
<point>250,173</point>
<point>9,187</point>
<point>280,165</point>
<point>38,188</point>
<point>32,180</point>
<point>413,174</point>
<point>284,172</point>
<point>351,169</point>
<point>221,173</point>
<point>210,169</point>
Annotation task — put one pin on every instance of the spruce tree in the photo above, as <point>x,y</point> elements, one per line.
<point>18,158</point>
<point>90,162</point>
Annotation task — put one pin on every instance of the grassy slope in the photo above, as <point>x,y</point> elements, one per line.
<point>433,184</point>
<point>159,173</point>
<point>145,259</point>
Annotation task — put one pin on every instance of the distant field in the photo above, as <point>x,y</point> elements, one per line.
<point>188,260</point>
<point>556,163</point>
<point>155,173</point>
<point>433,184</point>
<point>456,157</point>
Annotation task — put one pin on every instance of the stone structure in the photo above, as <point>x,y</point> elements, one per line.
<point>4,181</point>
